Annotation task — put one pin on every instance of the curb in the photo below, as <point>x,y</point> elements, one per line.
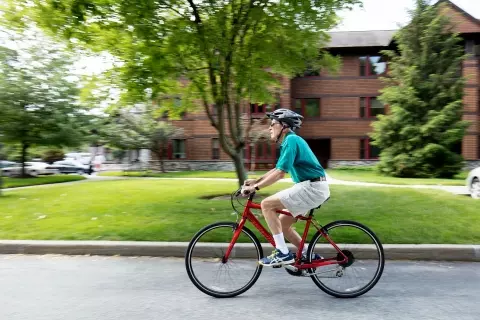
<point>435,252</point>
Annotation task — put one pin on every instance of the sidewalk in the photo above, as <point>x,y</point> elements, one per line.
<point>437,252</point>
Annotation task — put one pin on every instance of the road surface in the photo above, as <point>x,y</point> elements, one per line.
<point>141,288</point>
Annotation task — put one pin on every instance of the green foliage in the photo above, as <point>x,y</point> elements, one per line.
<point>215,52</point>
<point>424,92</point>
<point>133,131</point>
<point>38,102</point>
<point>50,156</point>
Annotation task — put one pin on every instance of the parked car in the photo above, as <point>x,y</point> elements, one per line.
<point>31,168</point>
<point>70,166</point>
<point>473,183</point>
<point>82,157</point>
<point>5,164</point>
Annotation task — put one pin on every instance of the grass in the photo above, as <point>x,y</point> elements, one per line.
<point>171,210</point>
<point>368,174</point>
<point>24,182</point>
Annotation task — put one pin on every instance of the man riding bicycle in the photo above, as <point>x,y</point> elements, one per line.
<point>310,189</point>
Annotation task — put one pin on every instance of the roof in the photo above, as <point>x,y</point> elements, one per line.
<point>465,13</point>
<point>374,38</point>
<point>378,38</point>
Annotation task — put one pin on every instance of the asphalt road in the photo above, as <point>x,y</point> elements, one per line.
<point>104,288</point>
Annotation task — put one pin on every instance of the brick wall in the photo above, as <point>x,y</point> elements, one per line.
<point>347,107</point>
<point>345,148</point>
<point>461,23</point>
<point>350,67</point>
<point>470,100</point>
<point>470,147</point>
<point>313,87</point>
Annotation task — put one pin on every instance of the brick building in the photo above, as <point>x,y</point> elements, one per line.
<point>338,109</point>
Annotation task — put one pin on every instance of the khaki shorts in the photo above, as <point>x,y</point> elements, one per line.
<point>304,196</point>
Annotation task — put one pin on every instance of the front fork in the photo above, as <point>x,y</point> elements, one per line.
<point>236,234</point>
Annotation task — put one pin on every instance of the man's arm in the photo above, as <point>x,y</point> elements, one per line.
<point>273,176</point>
<point>251,182</point>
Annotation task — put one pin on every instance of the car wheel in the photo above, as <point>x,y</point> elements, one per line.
<point>33,173</point>
<point>80,172</point>
<point>475,188</point>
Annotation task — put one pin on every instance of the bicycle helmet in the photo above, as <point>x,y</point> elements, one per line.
<point>286,116</point>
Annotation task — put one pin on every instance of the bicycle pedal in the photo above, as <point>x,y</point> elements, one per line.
<point>276,267</point>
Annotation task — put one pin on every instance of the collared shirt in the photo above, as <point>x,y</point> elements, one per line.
<point>298,159</point>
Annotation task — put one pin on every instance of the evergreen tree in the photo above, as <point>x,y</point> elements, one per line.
<point>424,92</point>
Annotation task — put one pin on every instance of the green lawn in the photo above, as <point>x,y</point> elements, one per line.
<point>171,210</point>
<point>23,182</point>
<point>367,175</point>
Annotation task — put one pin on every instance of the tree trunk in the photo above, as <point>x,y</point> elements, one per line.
<point>239,167</point>
<point>24,158</point>
<point>252,158</point>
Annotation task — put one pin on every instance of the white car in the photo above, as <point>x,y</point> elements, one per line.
<point>31,168</point>
<point>473,183</point>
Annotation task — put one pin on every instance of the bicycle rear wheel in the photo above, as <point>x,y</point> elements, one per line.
<point>365,263</point>
<point>205,265</point>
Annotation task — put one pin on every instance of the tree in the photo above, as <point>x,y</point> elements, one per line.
<point>127,131</point>
<point>52,155</point>
<point>38,103</point>
<point>424,92</point>
<point>222,52</point>
<point>257,133</point>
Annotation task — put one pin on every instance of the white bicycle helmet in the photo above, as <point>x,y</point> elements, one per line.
<point>286,116</point>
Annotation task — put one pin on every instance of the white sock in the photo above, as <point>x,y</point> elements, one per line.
<point>280,243</point>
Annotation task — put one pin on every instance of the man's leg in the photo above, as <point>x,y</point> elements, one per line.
<point>283,255</point>
<point>290,234</point>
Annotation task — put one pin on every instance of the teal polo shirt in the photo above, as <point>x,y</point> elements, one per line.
<point>298,159</point>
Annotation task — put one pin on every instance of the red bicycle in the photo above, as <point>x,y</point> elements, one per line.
<point>351,256</point>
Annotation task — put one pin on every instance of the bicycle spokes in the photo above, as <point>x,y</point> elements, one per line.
<point>211,272</point>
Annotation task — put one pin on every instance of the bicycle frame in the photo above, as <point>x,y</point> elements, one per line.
<point>248,215</point>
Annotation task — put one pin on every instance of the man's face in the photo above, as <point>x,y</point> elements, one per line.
<point>275,129</point>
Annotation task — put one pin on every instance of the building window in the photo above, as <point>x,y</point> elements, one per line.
<point>367,151</point>
<point>215,148</point>
<point>372,66</point>
<point>370,107</point>
<point>298,106</point>
<point>309,108</point>
<point>179,149</point>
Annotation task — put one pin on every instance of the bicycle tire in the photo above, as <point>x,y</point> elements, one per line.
<point>381,263</point>
<point>211,291</point>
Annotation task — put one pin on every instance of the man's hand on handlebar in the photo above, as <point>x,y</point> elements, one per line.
<point>246,190</point>
<point>249,182</point>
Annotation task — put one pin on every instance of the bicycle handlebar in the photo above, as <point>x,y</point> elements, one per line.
<point>238,193</point>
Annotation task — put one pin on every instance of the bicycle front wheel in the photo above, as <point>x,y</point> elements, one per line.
<point>365,263</point>
<point>205,263</point>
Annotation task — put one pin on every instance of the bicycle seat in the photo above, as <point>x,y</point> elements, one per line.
<point>312,210</point>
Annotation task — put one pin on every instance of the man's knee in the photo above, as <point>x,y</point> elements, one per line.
<point>269,204</point>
